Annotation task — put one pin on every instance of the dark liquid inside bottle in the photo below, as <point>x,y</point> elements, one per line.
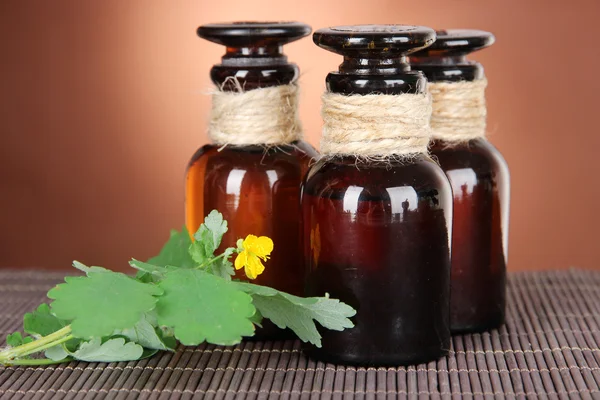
<point>479,179</point>
<point>257,191</point>
<point>379,242</point>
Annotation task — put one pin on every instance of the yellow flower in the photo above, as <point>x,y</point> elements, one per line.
<point>254,249</point>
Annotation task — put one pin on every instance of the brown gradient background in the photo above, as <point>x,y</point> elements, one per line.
<point>102,104</point>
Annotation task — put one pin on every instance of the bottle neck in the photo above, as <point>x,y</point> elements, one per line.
<point>361,75</point>
<point>448,69</point>
<point>250,53</point>
<point>252,77</point>
<point>251,68</point>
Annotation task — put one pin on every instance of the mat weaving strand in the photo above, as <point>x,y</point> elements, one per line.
<point>549,348</point>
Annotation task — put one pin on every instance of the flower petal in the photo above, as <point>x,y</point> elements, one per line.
<point>249,242</point>
<point>263,246</point>
<point>241,260</point>
<point>254,267</point>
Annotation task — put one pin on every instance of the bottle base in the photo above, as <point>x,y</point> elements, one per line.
<point>465,327</point>
<point>429,355</point>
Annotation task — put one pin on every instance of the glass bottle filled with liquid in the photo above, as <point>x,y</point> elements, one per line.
<point>255,187</point>
<point>480,181</point>
<point>377,233</point>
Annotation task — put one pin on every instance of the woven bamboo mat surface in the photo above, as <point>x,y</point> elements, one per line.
<point>549,348</point>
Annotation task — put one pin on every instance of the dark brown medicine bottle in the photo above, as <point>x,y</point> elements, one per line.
<point>255,187</point>
<point>480,181</point>
<point>376,233</point>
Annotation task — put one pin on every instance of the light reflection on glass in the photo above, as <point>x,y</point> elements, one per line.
<point>402,195</point>
<point>463,181</point>
<point>234,184</point>
<point>272,176</point>
<point>351,200</point>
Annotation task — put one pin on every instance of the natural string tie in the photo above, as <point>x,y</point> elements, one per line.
<point>459,111</point>
<point>264,116</point>
<point>375,125</point>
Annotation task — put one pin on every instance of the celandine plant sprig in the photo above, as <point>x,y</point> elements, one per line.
<point>185,294</point>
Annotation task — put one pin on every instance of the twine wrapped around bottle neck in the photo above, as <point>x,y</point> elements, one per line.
<point>375,125</point>
<point>459,111</point>
<point>264,116</point>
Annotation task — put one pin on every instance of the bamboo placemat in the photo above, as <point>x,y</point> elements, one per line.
<point>549,348</point>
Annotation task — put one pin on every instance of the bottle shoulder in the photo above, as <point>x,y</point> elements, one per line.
<point>284,164</point>
<point>476,163</point>
<point>202,152</point>
<point>479,155</point>
<point>336,175</point>
<point>254,156</point>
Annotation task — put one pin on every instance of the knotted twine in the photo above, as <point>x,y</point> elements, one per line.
<point>375,125</point>
<point>264,116</point>
<point>459,111</point>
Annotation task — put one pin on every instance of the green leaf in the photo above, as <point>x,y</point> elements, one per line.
<point>298,313</point>
<point>222,267</point>
<point>167,335</point>
<point>16,339</point>
<point>41,322</point>
<point>168,339</point>
<point>112,350</point>
<point>57,353</point>
<point>148,353</point>
<point>145,277</point>
<point>149,273</point>
<point>144,334</point>
<point>200,306</point>
<point>84,268</point>
<point>102,302</point>
<point>256,289</point>
<point>214,229</point>
<point>257,318</point>
<point>208,237</point>
<point>152,269</point>
<point>198,253</point>
<point>176,251</point>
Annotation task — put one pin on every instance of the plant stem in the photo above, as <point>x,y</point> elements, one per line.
<point>58,337</point>
<point>48,345</point>
<point>41,361</point>
<point>212,260</point>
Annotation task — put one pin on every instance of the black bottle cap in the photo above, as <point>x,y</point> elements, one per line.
<point>445,60</point>
<point>254,52</point>
<point>250,40</point>
<point>241,34</point>
<point>375,57</point>
<point>374,41</point>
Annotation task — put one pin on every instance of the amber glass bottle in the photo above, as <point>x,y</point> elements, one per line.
<point>376,233</point>
<point>480,182</point>
<point>255,187</point>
